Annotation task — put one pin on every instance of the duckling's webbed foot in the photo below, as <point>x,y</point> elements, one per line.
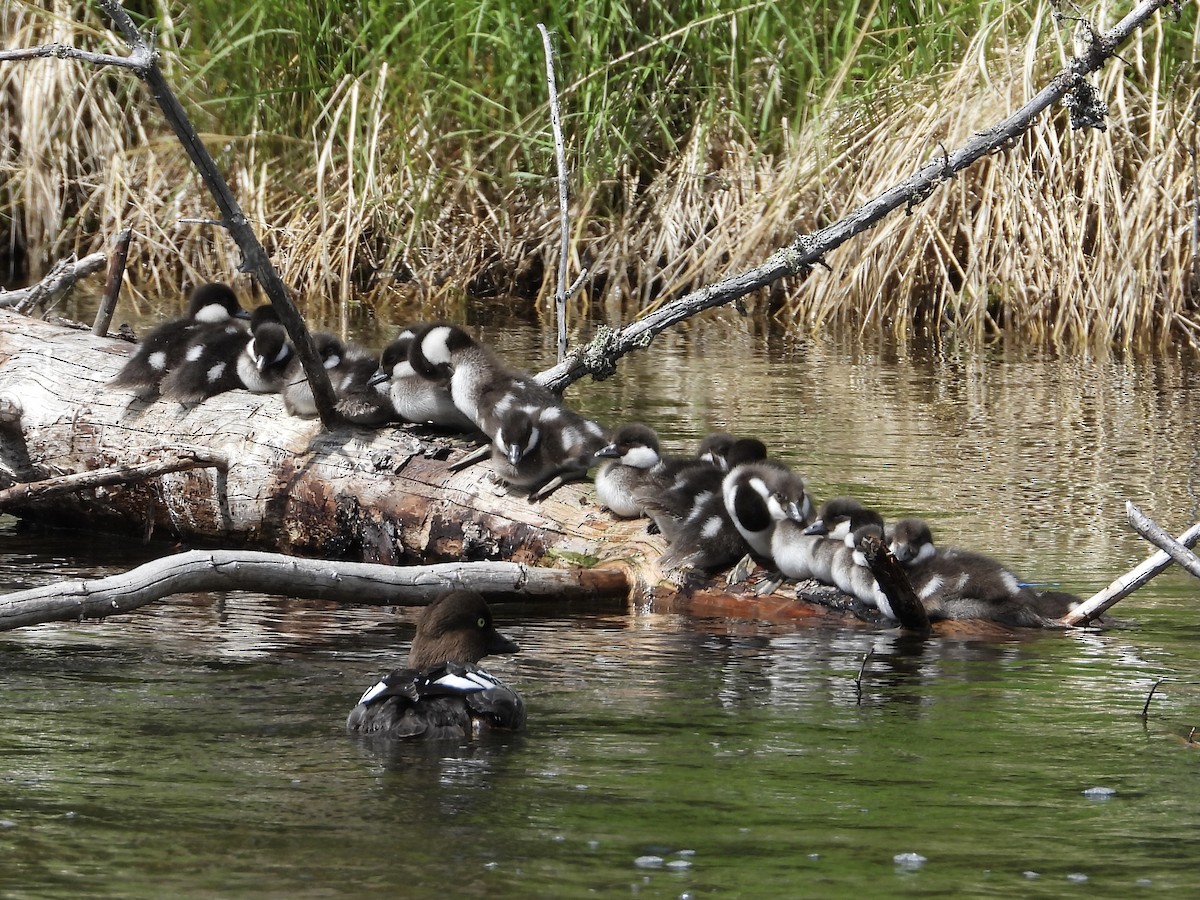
<point>477,455</point>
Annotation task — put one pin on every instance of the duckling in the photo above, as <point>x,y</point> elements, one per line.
<point>442,694</point>
<point>759,495</point>
<point>690,513</point>
<point>851,573</point>
<point>212,361</point>
<point>911,542</point>
<point>297,394</point>
<point>629,463</point>
<point>417,399</point>
<point>360,399</point>
<point>541,448</point>
<point>164,345</point>
<point>262,367</point>
<point>479,380</point>
<point>810,552</point>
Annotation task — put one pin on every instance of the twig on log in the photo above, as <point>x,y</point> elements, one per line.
<point>598,359</point>
<point>112,287</point>
<point>273,573</point>
<point>561,292</point>
<point>1157,535</point>
<point>56,283</point>
<point>906,605</point>
<point>179,461</point>
<point>1094,606</point>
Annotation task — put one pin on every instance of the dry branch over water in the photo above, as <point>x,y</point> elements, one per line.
<point>1061,234</point>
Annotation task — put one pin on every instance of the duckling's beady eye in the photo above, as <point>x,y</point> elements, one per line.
<point>481,622</point>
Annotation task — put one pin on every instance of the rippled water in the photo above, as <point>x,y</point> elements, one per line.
<point>196,748</point>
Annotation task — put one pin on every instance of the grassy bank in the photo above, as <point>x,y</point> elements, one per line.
<point>400,155</point>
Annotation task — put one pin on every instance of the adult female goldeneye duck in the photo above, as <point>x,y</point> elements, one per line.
<point>442,694</point>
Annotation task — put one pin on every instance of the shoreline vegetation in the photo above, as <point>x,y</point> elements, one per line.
<point>397,165</point>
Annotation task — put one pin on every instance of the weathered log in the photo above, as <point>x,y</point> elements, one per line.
<point>388,496</point>
<point>273,573</point>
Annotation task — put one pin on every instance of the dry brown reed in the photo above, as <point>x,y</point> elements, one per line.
<point>1063,236</point>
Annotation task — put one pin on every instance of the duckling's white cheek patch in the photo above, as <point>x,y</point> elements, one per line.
<point>157,360</point>
<point>640,457</point>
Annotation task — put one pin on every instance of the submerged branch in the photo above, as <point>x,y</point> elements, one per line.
<point>599,358</point>
<point>273,573</point>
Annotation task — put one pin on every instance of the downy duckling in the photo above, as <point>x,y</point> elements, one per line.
<point>911,542</point>
<point>479,380</point>
<point>629,462</point>
<point>262,367</point>
<point>442,693</point>
<point>210,305</point>
<point>215,357</point>
<point>542,448</point>
<point>360,400</point>
<point>810,552</point>
<point>297,393</point>
<point>415,398</point>
<point>691,515</point>
<point>761,494</point>
<point>851,573</point>
<point>689,510</point>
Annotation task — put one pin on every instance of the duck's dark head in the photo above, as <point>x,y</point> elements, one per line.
<point>456,627</point>
<point>911,541</point>
<point>634,444</point>
<point>214,302</point>
<point>839,516</point>
<point>518,435</point>
<point>393,362</point>
<point>269,346</point>
<point>434,347</point>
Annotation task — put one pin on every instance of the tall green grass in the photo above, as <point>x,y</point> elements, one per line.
<point>396,154</point>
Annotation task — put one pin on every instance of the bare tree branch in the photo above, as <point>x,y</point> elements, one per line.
<point>599,358</point>
<point>274,573</point>
<point>177,461</point>
<point>561,292</point>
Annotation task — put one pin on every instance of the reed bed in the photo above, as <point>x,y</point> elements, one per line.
<point>398,159</point>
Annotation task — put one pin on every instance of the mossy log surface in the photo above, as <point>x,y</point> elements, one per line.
<point>288,485</point>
